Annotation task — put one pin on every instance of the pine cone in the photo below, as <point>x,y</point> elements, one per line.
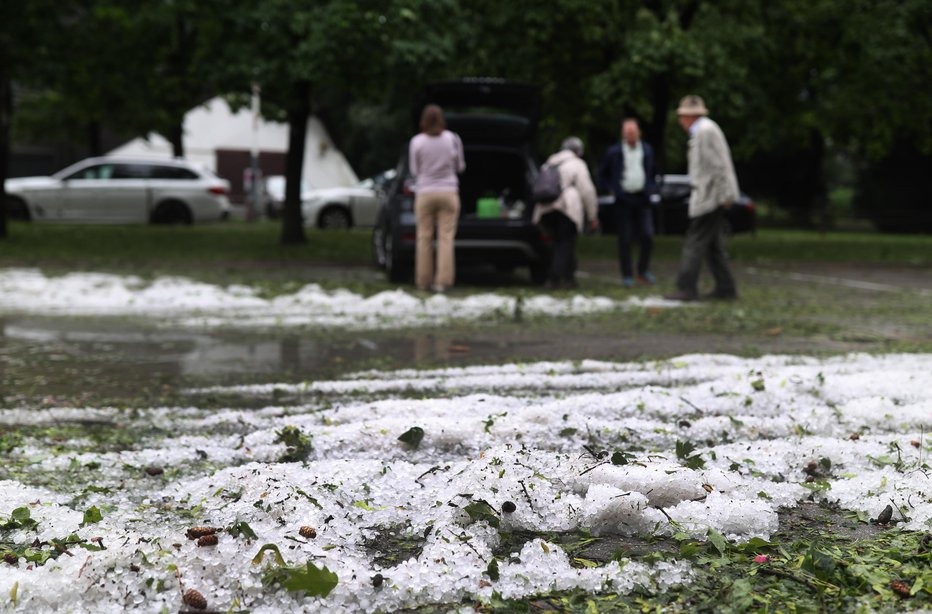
<point>307,532</point>
<point>207,540</point>
<point>194,599</point>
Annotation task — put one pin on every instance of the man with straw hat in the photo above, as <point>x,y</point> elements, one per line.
<point>715,188</point>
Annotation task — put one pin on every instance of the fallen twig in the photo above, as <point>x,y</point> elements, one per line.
<point>691,404</point>
<point>86,561</point>
<point>526,494</point>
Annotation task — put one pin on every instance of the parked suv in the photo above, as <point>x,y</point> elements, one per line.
<point>121,191</point>
<point>497,121</point>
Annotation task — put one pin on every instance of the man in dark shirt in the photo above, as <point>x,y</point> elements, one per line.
<point>628,171</point>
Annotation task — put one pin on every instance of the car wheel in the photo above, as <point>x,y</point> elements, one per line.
<point>16,209</point>
<point>172,212</point>
<point>396,270</point>
<point>334,217</point>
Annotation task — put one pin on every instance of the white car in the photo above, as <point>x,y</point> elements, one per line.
<point>121,191</point>
<point>357,205</point>
<point>274,186</point>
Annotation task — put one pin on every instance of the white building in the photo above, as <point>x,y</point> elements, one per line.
<point>220,139</point>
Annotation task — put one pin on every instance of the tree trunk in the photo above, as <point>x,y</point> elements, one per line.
<point>6,120</point>
<point>657,129</point>
<point>94,141</point>
<point>298,113</point>
<point>176,138</point>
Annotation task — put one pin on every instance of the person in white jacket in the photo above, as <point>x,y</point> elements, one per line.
<point>566,217</point>
<point>715,188</point>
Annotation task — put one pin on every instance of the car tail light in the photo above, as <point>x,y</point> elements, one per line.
<point>217,189</point>
<point>407,187</point>
<point>546,239</point>
<point>750,205</point>
<point>408,237</point>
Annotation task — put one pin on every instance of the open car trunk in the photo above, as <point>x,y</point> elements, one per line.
<point>495,174</point>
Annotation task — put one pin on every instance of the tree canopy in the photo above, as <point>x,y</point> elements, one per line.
<point>789,80</point>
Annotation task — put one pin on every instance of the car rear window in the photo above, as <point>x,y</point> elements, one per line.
<point>171,172</point>
<point>130,171</point>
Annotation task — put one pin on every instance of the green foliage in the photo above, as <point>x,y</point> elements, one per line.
<point>716,539</point>
<point>241,529</point>
<point>257,559</point>
<point>684,452</point>
<point>820,572</point>
<point>39,552</point>
<point>492,570</point>
<point>312,581</point>
<point>297,444</point>
<point>10,441</point>
<point>92,515</point>
<point>20,518</point>
<point>481,510</point>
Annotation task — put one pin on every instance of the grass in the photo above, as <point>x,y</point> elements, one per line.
<point>247,252</point>
<point>794,246</point>
<point>253,250</point>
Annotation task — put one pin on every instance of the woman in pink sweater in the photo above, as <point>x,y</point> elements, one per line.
<point>435,158</point>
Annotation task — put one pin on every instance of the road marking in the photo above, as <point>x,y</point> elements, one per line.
<point>840,281</point>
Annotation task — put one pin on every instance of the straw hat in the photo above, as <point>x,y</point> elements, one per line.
<point>692,105</point>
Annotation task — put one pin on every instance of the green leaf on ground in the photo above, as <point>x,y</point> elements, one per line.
<point>269,548</point>
<point>684,452</point>
<point>297,444</point>
<point>481,510</point>
<point>20,518</point>
<point>716,539</point>
<point>92,515</point>
<point>239,528</point>
<point>310,580</point>
<point>309,498</point>
<point>492,570</point>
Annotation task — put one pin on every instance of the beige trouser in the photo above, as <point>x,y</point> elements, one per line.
<point>440,209</point>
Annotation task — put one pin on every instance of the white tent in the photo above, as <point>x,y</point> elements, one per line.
<point>214,126</point>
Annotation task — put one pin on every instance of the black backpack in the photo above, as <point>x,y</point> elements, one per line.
<point>547,186</point>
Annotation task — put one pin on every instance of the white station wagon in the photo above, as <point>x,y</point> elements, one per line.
<point>121,191</point>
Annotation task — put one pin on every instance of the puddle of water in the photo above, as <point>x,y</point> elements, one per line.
<point>102,359</point>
